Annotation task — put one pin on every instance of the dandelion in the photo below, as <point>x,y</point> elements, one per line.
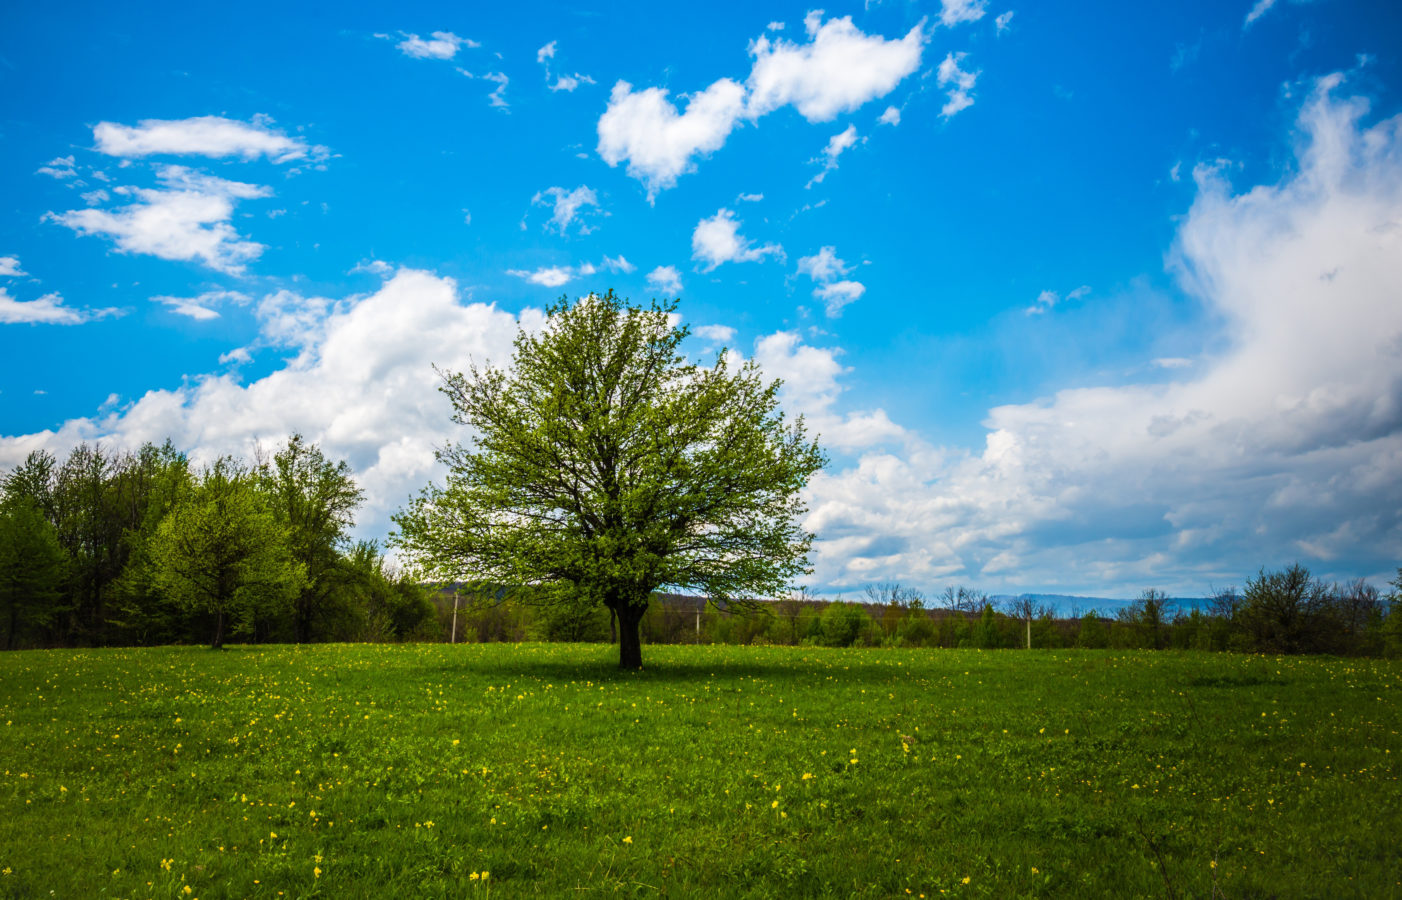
<point>964,880</point>
<point>165,864</point>
<point>316,871</point>
<point>628,839</point>
<point>474,876</point>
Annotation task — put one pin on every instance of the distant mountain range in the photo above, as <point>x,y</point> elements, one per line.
<point>1068,604</point>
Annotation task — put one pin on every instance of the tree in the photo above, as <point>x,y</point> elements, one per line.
<point>314,500</point>
<point>1282,611</point>
<point>605,467</point>
<point>1026,608</point>
<point>1148,617</point>
<point>32,569</point>
<point>221,551</point>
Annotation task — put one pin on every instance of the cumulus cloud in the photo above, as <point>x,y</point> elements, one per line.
<point>361,386</point>
<point>1285,445</point>
<point>718,240</point>
<point>959,82</point>
<point>645,130</point>
<point>566,204</point>
<point>60,167</point>
<point>211,136</point>
<point>720,334</point>
<point>202,307</point>
<point>9,267</point>
<point>46,310</point>
<point>826,268</point>
<point>891,116</point>
<point>839,69</point>
<point>439,45</point>
<point>1004,21</point>
<point>546,276</point>
<point>955,12</point>
<point>665,280</point>
<point>837,294</point>
<point>187,219</point>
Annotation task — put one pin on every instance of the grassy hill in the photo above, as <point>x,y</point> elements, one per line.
<point>513,770</point>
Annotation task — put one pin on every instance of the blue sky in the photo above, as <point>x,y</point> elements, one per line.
<point>1084,299</point>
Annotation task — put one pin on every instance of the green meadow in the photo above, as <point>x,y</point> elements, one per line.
<point>541,770</point>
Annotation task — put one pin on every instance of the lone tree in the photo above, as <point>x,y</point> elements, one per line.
<point>605,467</point>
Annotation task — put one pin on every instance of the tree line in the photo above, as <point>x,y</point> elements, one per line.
<point>132,548</point>
<point>1285,611</point>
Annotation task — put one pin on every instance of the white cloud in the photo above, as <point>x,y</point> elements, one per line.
<point>187,220</point>
<point>567,204</point>
<point>826,268</point>
<point>837,295</point>
<point>823,265</point>
<point>1285,444</point>
<point>47,310</point>
<point>617,264</point>
<point>960,83</point>
<point>545,53</point>
<point>775,26</point>
<point>363,389</point>
<point>720,334</point>
<point>1045,301</point>
<point>497,98</point>
<point>954,12</point>
<point>93,198</point>
<point>9,267</point>
<point>374,267</point>
<point>665,280</point>
<point>439,45</point>
<point>748,198</point>
<point>811,389</point>
<point>60,167</point>
<point>840,69</point>
<point>1004,21</point>
<point>838,143</point>
<point>211,136</point>
<point>645,130</point>
<point>891,116</point>
<point>546,276</point>
<point>202,307</point>
<point>718,240</point>
<point>1173,362</point>
<point>1257,11</point>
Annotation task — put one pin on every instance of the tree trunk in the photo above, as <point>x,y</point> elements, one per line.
<point>630,647</point>
<point>218,643</point>
<point>613,625</point>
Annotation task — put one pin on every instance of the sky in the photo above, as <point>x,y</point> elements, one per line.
<point>1081,299</point>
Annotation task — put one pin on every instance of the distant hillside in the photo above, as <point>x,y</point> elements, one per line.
<point>1068,604</point>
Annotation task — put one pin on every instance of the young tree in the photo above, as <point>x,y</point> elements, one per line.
<point>32,569</point>
<point>221,551</point>
<point>314,501</point>
<point>605,467</point>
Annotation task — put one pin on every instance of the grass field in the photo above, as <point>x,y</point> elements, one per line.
<point>451,771</point>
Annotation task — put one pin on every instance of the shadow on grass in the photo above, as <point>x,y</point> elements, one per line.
<point>600,664</point>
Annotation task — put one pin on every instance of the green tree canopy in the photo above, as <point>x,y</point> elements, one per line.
<point>221,551</point>
<point>605,466</point>
<point>314,502</point>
